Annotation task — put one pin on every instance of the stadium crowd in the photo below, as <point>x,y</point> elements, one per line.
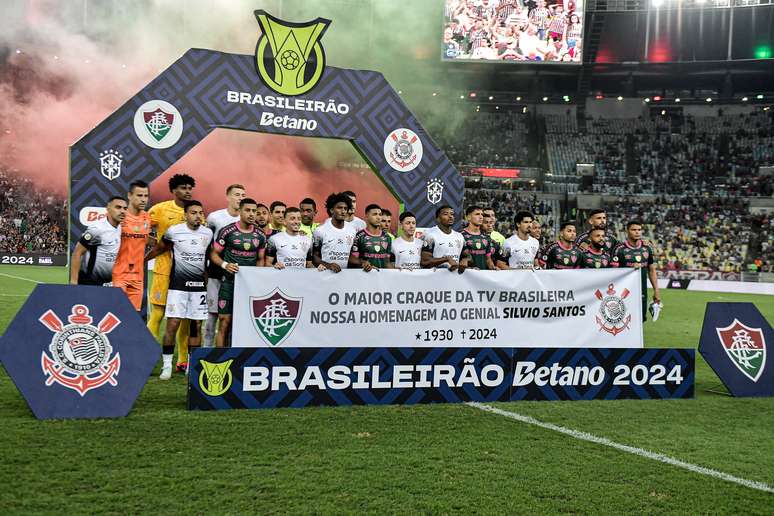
<point>697,155</point>
<point>32,220</point>
<point>694,233</point>
<point>507,203</point>
<point>488,140</point>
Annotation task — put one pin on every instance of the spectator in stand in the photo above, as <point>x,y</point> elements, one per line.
<point>32,217</point>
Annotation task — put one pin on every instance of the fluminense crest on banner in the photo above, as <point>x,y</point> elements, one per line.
<point>434,191</point>
<point>158,124</point>
<point>110,164</point>
<point>746,347</point>
<point>613,316</point>
<point>403,150</point>
<point>80,352</point>
<point>289,56</point>
<point>275,315</point>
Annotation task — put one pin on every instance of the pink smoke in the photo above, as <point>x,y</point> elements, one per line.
<point>272,168</point>
<point>62,83</point>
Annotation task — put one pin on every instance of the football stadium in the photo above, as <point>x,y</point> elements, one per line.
<point>361,256</point>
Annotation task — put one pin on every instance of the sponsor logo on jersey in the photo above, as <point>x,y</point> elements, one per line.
<point>403,150</point>
<point>745,347</point>
<point>289,57</point>
<point>215,379</point>
<point>80,356</point>
<point>275,315</point>
<point>158,124</point>
<point>110,164</point>
<point>613,317</point>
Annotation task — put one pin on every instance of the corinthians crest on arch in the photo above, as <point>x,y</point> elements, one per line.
<point>275,315</point>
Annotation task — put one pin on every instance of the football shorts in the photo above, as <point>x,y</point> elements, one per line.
<point>182,304</point>
<point>132,287</point>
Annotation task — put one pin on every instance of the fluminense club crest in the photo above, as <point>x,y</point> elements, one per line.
<point>158,124</point>
<point>110,164</point>
<point>275,315</point>
<point>80,352</point>
<point>403,150</point>
<point>613,317</point>
<point>434,191</point>
<point>289,57</point>
<point>746,347</point>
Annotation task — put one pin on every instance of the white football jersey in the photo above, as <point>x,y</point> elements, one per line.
<point>102,242</point>
<point>443,245</point>
<point>291,251</point>
<point>219,219</point>
<point>407,254</point>
<point>334,244</point>
<point>358,223</point>
<point>519,253</point>
<point>189,255</point>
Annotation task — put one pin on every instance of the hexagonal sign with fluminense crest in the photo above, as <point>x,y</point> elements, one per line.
<point>78,352</point>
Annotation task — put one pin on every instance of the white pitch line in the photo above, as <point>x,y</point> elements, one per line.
<point>14,295</point>
<point>752,484</point>
<point>19,277</point>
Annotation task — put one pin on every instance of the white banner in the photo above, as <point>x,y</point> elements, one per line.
<point>596,308</point>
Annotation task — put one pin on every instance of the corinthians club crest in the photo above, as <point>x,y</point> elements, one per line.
<point>275,315</point>
<point>434,191</point>
<point>613,317</point>
<point>80,352</point>
<point>746,347</point>
<point>403,150</point>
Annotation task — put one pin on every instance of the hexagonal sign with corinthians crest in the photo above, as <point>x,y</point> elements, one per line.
<point>78,352</point>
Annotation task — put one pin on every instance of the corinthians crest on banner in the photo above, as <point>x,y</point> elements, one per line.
<point>613,317</point>
<point>275,315</point>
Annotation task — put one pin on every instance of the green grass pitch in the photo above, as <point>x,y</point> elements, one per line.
<point>396,459</point>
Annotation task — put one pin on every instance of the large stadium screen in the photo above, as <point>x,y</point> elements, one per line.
<point>536,31</point>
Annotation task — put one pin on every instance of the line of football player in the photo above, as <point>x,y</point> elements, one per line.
<point>196,258</point>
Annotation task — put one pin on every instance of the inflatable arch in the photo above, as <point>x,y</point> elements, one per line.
<point>206,89</point>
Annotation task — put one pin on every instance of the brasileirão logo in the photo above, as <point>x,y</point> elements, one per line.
<point>289,57</point>
<point>215,378</point>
